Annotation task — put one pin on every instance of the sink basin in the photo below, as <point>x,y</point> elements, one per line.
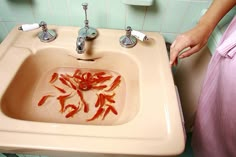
<point>136,107</point>
<point>31,82</point>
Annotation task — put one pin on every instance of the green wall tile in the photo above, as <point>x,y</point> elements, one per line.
<point>227,18</point>
<point>192,16</point>
<point>76,13</point>
<point>97,13</point>
<point>59,9</point>
<point>5,11</point>
<point>223,29</point>
<point>20,155</point>
<point>76,7</point>
<point>116,13</point>
<point>169,37</point>
<point>155,15</point>
<point>10,25</point>
<point>1,155</point>
<point>212,44</point>
<point>174,16</point>
<point>26,155</point>
<point>14,10</point>
<point>59,12</point>
<point>58,20</point>
<point>41,10</point>
<point>135,16</point>
<point>165,16</point>
<point>3,31</point>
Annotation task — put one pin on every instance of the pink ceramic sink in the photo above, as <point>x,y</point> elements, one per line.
<point>148,119</point>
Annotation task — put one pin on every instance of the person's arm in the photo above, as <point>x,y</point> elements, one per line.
<point>194,39</point>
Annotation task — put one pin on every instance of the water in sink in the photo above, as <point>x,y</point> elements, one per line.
<point>82,96</point>
<point>31,83</point>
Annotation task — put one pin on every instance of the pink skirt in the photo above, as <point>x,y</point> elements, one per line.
<point>214,132</point>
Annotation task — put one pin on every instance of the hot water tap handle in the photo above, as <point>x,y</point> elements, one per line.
<point>44,36</point>
<point>28,27</point>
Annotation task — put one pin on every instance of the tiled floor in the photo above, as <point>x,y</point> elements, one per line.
<point>187,153</point>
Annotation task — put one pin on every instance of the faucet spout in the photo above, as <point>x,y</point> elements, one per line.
<point>80,45</point>
<point>85,33</point>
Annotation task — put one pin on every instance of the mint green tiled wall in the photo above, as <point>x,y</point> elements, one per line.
<point>169,17</point>
<point>220,29</point>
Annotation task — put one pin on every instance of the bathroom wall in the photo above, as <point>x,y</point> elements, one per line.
<point>170,17</point>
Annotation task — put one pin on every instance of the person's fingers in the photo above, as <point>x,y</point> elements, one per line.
<point>173,44</point>
<point>174,63</point>
<point>173,54</point>
<point>190,51</point>
<point>178,45</point>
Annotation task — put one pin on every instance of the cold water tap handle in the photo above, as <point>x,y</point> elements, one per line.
<point>128,40</point>
<point>29,27</point>
<point>139,35</point>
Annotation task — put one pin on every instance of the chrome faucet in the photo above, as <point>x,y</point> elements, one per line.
<point>128,40</point>
<point>44,36</point>
<point>80,44</point>
<point>85,33</point>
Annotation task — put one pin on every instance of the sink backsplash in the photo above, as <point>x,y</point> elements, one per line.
<point>170,17</point>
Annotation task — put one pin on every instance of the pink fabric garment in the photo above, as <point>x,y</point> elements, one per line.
<point>214,132</point>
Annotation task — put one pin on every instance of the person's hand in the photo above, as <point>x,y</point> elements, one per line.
<point>188,43</point>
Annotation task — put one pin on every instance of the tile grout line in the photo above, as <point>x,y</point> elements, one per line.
<point>163,19</point>
<point>107,12</point>
<point>144,18</point>
<point>182,21</point>
<point>68,11</point>
<point>5,27</point>
<point>33,12</point>
<point>51,9</point>
<point>126,16</point>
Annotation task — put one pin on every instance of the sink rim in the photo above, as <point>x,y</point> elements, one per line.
<point>147,136</point>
